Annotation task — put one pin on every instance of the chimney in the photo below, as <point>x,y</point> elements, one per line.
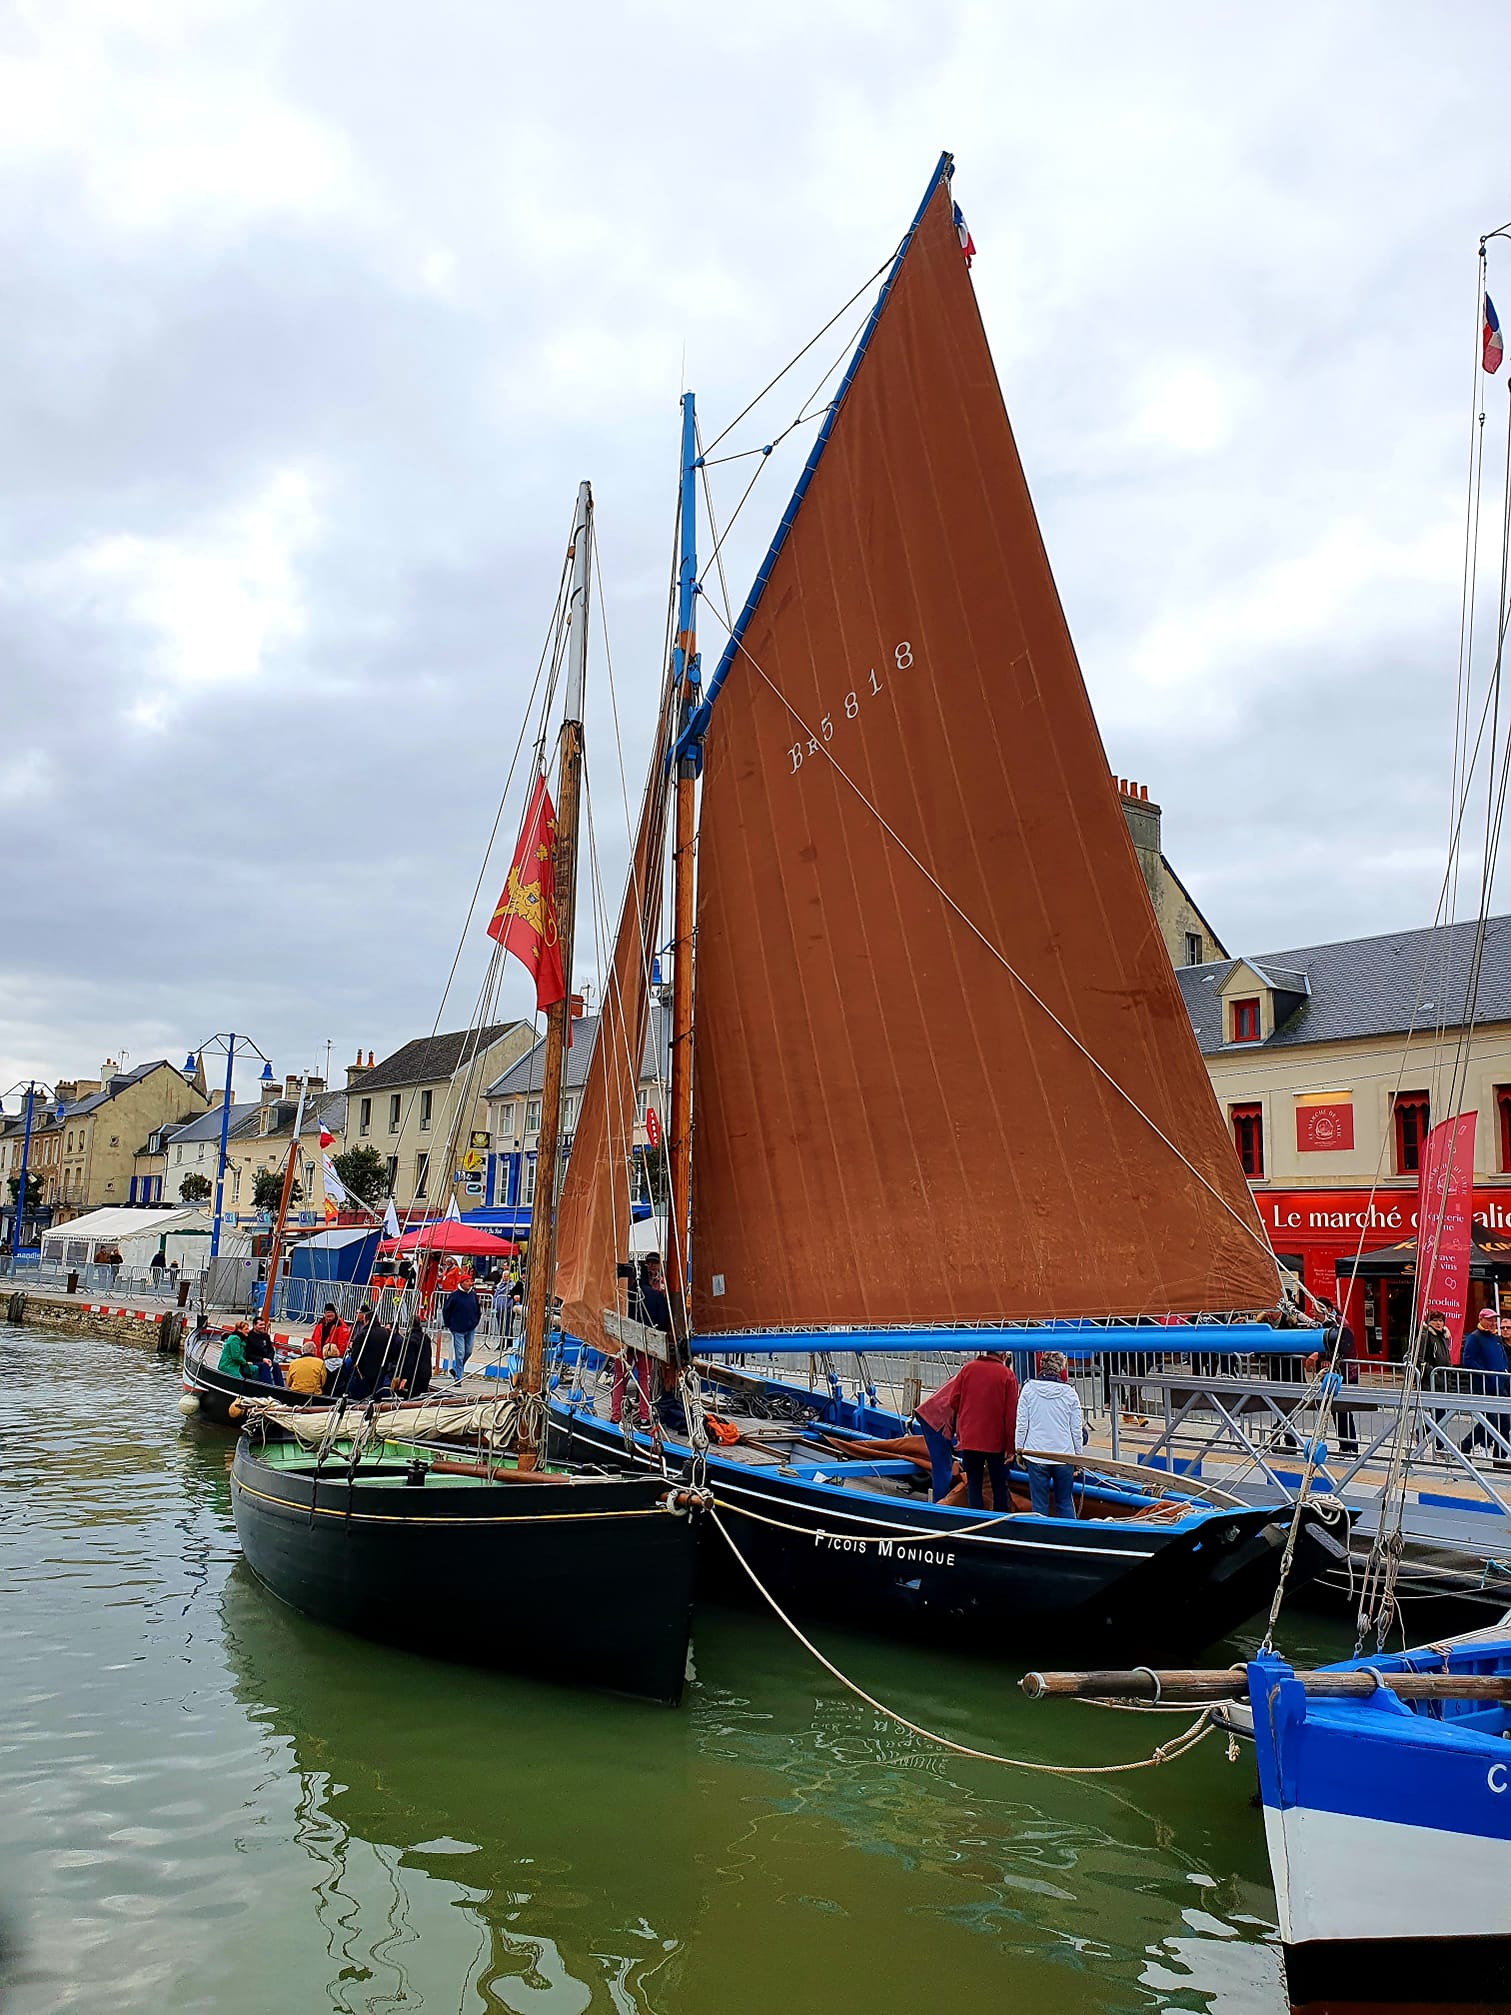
<point>217,1096</point>
<point>108,1069</point>
<point>273,1091</point>
<point>358,1069</point>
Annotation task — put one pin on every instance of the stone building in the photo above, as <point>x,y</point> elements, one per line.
<point>86,1145</point>
<point>507,1181</point>
<point>1330,1063</point>
<point>1189,938</point>
<point>421,1106</point>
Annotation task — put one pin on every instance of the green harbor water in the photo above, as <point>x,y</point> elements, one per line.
<point>211,1804</point>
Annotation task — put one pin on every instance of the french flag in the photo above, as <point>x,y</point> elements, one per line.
<point>325,1137</point>
<point>1492,349</point>
<point>963,232</point>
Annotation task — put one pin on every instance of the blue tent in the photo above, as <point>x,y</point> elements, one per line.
<point>328,1256</point>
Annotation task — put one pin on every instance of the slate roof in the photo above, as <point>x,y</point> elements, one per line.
<point>122,1081</point>
<point>525,1076</point>
<point>206,1126</point>
<point>428,1058</point>
<point>1366,986</point>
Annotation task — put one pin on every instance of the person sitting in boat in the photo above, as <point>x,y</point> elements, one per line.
<point>331,1334</point>
<point>412,1368</point>
<point>1050,1423</point>
<point>233,1353</point>
<point>306,1375</point>
<point>261,1357</point>
<point>367,1361</point>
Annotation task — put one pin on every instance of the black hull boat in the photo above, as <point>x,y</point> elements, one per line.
<point>437,1554</point>
<point>219,1392</point>
<point>1151,1577</point>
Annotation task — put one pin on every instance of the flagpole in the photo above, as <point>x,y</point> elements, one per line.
<point>275,1251</point>
<point>542,1263</point>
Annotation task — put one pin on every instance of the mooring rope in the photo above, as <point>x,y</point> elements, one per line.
<point>1167,1752</point>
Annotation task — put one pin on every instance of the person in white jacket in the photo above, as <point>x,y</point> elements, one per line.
<point>1050,1423</point>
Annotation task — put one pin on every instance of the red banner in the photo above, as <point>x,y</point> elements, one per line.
<point>1324,1128</point>
<point>1445,1220</point>
<point>525,920</point>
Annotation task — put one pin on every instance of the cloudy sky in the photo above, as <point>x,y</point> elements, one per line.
<point>314,315</point>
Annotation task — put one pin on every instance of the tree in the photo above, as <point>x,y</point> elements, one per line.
<point>267,1189</point>
<point>33,1190</point>
<point>364,1172</point>
<point>195,1189</point>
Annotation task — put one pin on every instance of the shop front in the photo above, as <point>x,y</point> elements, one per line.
<point>1319,1233</point>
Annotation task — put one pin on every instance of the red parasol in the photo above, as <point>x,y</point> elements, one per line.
<point>450,1236</point>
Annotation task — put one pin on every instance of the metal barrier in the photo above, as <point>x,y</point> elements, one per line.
<point>1256,1426</point>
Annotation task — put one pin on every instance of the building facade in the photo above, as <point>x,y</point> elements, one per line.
<point>507,1180</point>
<point>86,1146</point>
<point>1189,938</point>
<point>1330,1063</point>
<point>424,1110</point>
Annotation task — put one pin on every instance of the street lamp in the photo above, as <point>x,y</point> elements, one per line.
<point>30,1092</point>
<point>231,1046</point>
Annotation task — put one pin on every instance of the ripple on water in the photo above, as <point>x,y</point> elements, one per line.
<point>213,1806</point>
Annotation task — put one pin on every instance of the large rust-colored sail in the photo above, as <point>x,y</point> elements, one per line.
<point>593,1218</point>
<point>907,823</point>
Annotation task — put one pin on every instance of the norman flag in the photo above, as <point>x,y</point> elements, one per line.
<point>963,233</point>
<point>1492,349</point>
<point>524,922</point>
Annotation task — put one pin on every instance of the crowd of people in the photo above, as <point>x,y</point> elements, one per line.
<point>371,1357</point>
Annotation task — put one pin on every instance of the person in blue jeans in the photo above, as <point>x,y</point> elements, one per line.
<point>1051,1425</point>
<point>461,1312</point>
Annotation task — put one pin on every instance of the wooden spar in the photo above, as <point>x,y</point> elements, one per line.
<point>541,1276</point>
<point>1217,1683</point>
<point>275,1251</point>
<point>686,679</point>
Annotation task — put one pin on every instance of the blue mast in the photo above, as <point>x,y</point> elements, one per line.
<point>687,673</point>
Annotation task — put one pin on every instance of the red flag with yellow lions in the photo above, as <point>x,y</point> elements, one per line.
<point>524,922</point>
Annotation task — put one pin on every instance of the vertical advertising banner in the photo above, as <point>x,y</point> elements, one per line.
<point>1445,1221</point>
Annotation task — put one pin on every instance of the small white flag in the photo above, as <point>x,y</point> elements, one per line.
<point>335,1189</point>
<point>391,1221</point>
<point>453,1215</point>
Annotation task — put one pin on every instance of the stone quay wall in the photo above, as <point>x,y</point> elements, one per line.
<point>140,1327</point>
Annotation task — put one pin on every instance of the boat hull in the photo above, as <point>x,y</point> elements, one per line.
<point>918,1570</point>
<point>588,1579</point>
<point>1389,1834</point>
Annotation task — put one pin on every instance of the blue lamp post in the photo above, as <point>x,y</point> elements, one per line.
<point>30,1092</point>
<point>232,1046</point>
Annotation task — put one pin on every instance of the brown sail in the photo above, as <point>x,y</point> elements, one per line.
<point>593,1217</point>
<point>908,823</point>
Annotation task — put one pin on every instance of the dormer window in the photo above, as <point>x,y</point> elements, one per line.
<point>1245,1021</point>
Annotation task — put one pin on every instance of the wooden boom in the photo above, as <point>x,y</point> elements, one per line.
<point>1228,1683</point>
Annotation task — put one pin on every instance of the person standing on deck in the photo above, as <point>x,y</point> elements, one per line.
<point>331,1334</point>
<point>461,1312</point>
<point>936,1420</point>
<point>1050,1422</point>
<point>986,1413</point>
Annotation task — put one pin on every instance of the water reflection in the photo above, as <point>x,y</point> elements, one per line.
<point>220,1806</point>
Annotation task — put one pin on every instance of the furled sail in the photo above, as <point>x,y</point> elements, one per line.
<point>593,1218</point>
<point>908,823</point>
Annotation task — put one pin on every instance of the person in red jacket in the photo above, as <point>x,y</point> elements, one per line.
<point>986,1413</point>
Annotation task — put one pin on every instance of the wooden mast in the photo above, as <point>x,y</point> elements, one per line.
<point>542,1262</point>
<point>686,678</point>
<point>275,1251</point>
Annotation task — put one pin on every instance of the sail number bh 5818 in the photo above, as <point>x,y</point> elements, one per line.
<point>849,709</point>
